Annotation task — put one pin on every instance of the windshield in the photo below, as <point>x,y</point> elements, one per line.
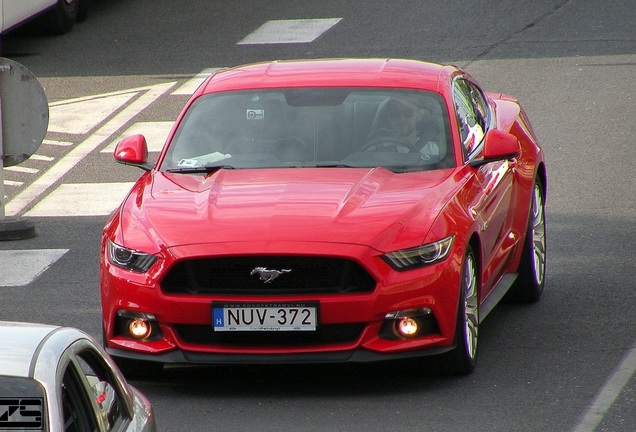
<point>401,130</point>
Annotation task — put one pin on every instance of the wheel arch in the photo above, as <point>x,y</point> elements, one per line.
<point>542,176</point>
<point>475,243</point>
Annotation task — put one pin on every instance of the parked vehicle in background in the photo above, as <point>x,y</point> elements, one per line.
<point>59,379</point>
<point>56,16</point>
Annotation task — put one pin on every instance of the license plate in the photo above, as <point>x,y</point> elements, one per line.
<point>264,316</point>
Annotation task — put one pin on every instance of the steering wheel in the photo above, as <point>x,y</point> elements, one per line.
<point>293,148</point>
<point>384,140</point>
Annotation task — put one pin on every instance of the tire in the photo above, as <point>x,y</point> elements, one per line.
<point>82,10</point>
<point>62,17</point>
<point>528,287</point>
<point>463,358</point>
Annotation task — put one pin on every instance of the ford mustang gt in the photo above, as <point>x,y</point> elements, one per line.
<point>335,210</point>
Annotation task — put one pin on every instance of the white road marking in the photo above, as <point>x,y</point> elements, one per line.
<point>13,183</point>
<point>79,199</point>
<point>608,394</point>
<point>190,86</point>
<point>41,158</point>
<point>21,267</point>
<point>20,202</point>
<point>57,143</point>
<point>289,31</point>
<point>155,133</point>
<point>69,116</point>
<point>24,170</point>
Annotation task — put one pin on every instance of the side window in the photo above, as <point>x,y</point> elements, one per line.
<point>480,104</point>
<point>76,407</point>
<point>472,115</point>
<point>103,391</point>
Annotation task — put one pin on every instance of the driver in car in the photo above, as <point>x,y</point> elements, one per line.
<point>405,118</point>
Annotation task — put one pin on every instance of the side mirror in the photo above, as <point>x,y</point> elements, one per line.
<point>133,150</point>
<point>498,145</point>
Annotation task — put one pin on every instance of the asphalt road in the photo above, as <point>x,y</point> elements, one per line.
<point>564,364</point>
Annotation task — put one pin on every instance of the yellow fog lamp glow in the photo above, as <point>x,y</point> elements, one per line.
<point>405,324</point>
<point>137,325</point>
<point>139,328</point>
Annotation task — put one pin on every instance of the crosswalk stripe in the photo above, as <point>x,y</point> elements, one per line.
<point>57,171</point>
<point>41,158</point>
<point>20,169</point>
<point>69,116</point>
<point>289,31</point>
<point>57,143</point>
<point>78,199</point>
<point>21,267</point>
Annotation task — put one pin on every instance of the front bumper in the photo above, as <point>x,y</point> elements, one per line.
<point>435,288</point>
<point>348,356</point>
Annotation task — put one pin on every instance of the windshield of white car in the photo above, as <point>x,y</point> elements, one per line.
<point>401,130</point>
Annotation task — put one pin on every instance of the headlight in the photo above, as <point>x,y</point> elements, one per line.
<point>129,259</point>
<point>430,253</point>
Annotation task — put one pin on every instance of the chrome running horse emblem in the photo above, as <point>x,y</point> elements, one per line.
<point>268,275</point>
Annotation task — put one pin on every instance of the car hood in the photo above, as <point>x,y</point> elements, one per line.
<point>341,205</point>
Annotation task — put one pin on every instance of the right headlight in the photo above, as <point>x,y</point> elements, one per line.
<point>129,259</point>
<point>407,259</point>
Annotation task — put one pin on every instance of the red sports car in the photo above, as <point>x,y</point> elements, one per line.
<point>325,211</point>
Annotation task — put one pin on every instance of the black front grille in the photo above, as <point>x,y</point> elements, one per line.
<point>325,334</point>
<point>239,276</point>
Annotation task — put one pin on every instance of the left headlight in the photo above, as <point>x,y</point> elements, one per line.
<point>129,259</point>
<point>407,259</point>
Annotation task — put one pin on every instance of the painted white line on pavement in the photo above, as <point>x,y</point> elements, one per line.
<point>20,202</point>
<point>13,183</point>
<point>608,394</point>
<point>78,199</point>
<point>21,267</point>
<point>57,143</point>
<point>289,31</point>
<point>69,116</point>
<point>23,170</point>
<point>41,158</point>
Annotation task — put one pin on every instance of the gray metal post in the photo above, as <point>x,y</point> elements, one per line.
<point>10,228</point>
<point>1,165</point>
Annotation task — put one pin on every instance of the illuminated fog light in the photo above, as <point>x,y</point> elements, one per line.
<point>408,324</point>
<point>139,328</point>
<point>407,327</point>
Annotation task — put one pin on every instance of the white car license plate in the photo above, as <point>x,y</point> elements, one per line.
<point>264,316</point>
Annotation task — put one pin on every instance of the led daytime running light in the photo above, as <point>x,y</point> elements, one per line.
<point>430,253</point>
<point>129,259</point>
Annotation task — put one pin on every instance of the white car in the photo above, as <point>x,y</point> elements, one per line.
<point>59,379</point>
<point>58,16</point>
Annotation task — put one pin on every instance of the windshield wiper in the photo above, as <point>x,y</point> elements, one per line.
<point>199,169</point>
<point>334,165</point>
